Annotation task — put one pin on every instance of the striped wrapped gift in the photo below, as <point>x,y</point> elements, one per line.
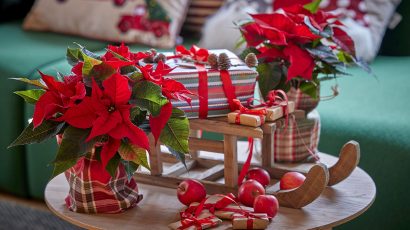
<point>243,79</point>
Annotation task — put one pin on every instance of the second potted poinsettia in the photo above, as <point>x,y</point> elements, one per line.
<point>298,46</point>
<point>103,113</point>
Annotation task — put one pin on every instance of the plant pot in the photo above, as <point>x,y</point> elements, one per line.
<point>298,140</point>
<point>93,190</point>
<point>302,100</point>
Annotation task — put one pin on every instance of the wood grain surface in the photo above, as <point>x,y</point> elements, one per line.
<point>160,207</point>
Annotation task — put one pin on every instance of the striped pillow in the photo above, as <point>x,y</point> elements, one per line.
<point>198,12</point>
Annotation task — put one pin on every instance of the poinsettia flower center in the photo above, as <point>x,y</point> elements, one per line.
<point>111,108</point>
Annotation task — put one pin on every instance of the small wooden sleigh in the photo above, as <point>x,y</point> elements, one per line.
<point>218,167</point>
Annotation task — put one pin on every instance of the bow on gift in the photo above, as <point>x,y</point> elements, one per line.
<point>274,98</point>
<point>243,110</point>
<point>212,207</point>
<point>249,218</point>
<point>196,53</point>
<point>189,220</point>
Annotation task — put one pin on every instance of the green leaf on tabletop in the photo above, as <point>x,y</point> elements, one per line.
<point>37,82</point>
<point>113,164</point>
<point>30,135</point>
<point>313,7</point>
<point>176,133</point>
<point>148,96</point>
<point>73,56</point>
<point>30,96</point>
<point>130,168</point>
<point>270,76</point>
<point>133,153</point>
<point>73,144</point>
<point>310,88</point>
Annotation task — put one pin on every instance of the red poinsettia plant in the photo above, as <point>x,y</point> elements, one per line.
<point>108,103</point>
<point>296,43</point>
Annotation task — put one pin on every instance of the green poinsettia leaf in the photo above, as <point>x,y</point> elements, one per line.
<point>73,56</point>
<point>130,168</point>
<point>138,115</point>
<point>130,152</point>
<point>37,82</point>
<point>176,133</point>
<point>178,155</point>
<point>89,63</point>
<point>31,96</point>
<point>102,71</point>
<point>73,144</point>
<point>270,76</point>
<point>136,76</point>
<point>113,164</point>
<point>61,167</point>
<point>313,7</point>
<point>310,88</point>
<point>85,51</point>
<point>148,96</point>
<point>30,135</point>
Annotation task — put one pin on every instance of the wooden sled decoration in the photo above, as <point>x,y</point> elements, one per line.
<point>349,158</point>
<point>221,175</point>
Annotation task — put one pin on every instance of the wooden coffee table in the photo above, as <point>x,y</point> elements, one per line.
<point>160,207</point>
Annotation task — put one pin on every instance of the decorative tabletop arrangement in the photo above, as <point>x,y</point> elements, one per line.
<point>102,114</point>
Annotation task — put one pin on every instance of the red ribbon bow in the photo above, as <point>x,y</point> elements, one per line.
<point>196,53</point>
<point>189,220</point>
<point>243,110</point>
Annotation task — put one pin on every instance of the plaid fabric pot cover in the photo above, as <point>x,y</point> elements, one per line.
<point>299,141</point>
<point>93,190</point>
<point>302,100</point>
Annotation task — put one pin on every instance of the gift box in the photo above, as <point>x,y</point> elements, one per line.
<point>222,206</point>
<point>189,222</point>
<point>275,112</point>
<point>250,221</point>
<point>298,140</point>
<point>214,86</point>
<point>246,119</point>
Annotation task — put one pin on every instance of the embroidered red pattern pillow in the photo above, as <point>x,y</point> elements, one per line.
<point>151,22</point>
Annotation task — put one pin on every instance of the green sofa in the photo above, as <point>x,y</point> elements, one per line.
<point>371,110</point>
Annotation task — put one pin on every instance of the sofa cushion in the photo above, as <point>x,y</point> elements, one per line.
<point>152,22</point>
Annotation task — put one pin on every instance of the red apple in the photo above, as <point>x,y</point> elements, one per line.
<point>291,180</point>
<point>248,191</point>
<point>190,191</point>
<point>266,204</point>
<point>260,175</point>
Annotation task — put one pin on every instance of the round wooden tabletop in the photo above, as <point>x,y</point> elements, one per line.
<point>337,205</point>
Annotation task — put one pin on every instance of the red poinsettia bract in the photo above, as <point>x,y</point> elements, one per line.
<point>58,97</point>
<point>107,112</point>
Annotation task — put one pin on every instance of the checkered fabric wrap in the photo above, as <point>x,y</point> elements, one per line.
<point>93,190</point>
<point>243,79</point>
<point>298,142</point>
<point>302,100</point>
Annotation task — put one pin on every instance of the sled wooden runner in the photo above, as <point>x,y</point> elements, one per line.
<point>219,171</point>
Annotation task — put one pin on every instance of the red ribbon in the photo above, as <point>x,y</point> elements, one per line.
<point>243,110</point>
<point>274,98</point>
<point>249,219</point>
<point>247,163</point>
<point>201,55</point>
<point>190,220</point>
